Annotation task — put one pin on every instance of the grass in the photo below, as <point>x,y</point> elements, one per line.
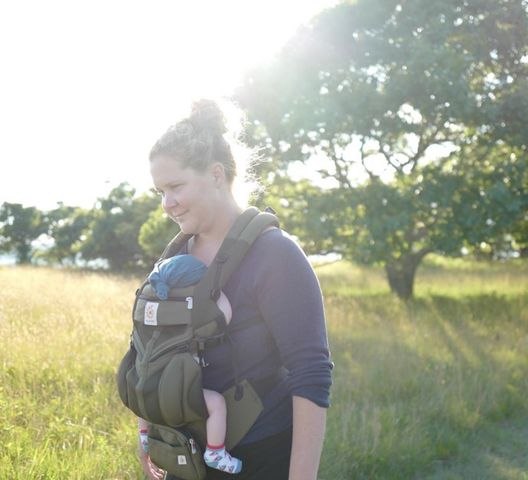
<point>433,389</point>
<point>435,276</point>
<point>61,337</point>
<point>414,382</point>
<point>495,451</point>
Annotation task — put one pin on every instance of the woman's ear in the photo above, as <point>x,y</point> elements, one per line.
<point>218,171</point>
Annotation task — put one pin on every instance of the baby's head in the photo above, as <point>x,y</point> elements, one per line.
<point>179,272</point>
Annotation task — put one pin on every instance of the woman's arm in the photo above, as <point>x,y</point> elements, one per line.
<point>309,421</point>
<point>290,302</point>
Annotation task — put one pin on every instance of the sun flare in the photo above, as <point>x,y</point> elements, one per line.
<point>90,87</point>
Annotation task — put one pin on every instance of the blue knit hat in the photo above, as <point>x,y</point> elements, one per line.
<point>176,272</point>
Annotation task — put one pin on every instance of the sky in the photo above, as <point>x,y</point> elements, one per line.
<point>87,87</point>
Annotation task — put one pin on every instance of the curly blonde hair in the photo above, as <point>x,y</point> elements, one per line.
<point>204,138</point>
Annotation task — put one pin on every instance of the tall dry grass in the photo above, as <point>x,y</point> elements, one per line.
<point>61,336</point>
<point>414,383</point>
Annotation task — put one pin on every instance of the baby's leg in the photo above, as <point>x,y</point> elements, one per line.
<point>215,455</point>
<point>216,423</point>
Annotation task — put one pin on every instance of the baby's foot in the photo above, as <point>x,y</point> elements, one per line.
<point>220,459</point>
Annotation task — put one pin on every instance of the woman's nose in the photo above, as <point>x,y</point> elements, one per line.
<point>169,201</point>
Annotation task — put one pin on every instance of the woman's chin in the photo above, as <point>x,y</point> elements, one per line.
<point>185,227</point>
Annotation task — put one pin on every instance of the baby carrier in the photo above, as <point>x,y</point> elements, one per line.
<point>159,378</point>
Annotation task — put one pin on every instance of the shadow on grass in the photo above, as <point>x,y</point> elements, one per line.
<point>403,405</point>
<point>494,452</point>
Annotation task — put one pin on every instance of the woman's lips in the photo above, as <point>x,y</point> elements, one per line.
<point>179,216</point>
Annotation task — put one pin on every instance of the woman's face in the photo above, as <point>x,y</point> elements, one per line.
<point>188,196</point>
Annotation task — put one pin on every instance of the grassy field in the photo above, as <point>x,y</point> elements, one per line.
<point>433,389</point>
<point>436,276</point>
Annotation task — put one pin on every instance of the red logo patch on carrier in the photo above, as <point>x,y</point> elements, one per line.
<point>151,313</point>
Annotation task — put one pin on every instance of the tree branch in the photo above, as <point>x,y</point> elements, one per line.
<point>341,172</point>
<point>371,175</point>
<point>398,167</point>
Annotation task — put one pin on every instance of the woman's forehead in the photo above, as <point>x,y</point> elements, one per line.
<point>167,169</point>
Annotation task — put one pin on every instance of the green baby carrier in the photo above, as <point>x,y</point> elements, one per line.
<point>160,379</point>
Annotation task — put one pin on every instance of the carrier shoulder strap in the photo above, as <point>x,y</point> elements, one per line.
<point>247,227</point>
<point>175,245</point>
<point>238,241</point>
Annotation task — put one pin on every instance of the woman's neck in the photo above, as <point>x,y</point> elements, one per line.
<point>206,244</point>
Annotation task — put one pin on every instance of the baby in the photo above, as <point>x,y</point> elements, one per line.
<point>178,272</point>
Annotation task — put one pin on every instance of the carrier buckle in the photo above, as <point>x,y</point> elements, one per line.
<point>201,351</point>
<point>201,360</point>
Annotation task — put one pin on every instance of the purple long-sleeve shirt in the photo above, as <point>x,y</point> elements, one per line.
<point>275,282</point>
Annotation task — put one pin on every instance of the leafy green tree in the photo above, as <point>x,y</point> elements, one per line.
<point>305,212</point>
<point>413,114</point>
<point>66,226</point>
<point>520,236</point>
<point>19,227</point>
<point>156,233</point>
<point>113,231</point>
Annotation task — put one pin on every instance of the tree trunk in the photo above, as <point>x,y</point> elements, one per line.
<point>23,253</point>
<point>401,273</point>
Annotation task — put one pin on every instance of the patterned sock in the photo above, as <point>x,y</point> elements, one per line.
<point>219,458</point>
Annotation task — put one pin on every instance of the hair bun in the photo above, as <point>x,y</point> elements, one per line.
<point>207,115</point>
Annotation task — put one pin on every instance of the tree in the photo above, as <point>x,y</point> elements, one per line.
<point>520,236</point>
<point>156,233</point>
<point>414,110</point>
<point>114,229</point>
<point>304,214</point>
<point>66,226</point>
<point>19,227</point>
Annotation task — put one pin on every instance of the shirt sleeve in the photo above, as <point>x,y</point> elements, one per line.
<point>290,301</point>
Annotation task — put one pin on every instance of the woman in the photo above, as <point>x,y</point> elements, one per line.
<point>193,169</point>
